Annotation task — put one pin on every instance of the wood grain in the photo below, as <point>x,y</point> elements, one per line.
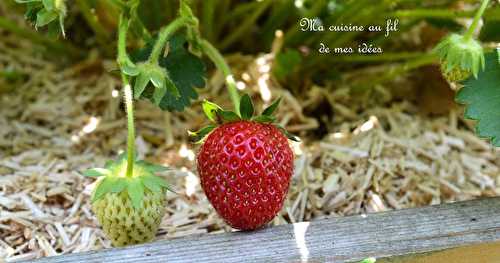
<point>343,239</point>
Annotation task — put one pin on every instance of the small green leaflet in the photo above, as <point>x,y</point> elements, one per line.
<point>228,116</point>
<point>135,190</point>
<point>272,108</point>
<point>246,107</point>
<point>210,110</point>
<point>482,99</point>
<point>185,73</point>
<point>115,181</point>
<point>264,118</point>
<point>368,260</point>
<point>96,172</point>
<point>198,136</point>
<point>44,16</point>
<point>107,185</point>
<point>151,184</point>
<point>152,167</point>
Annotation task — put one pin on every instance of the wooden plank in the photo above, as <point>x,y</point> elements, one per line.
<point>478,253</point>
<point>343,239</point>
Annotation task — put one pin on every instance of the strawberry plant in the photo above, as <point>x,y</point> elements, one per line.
<point>463,60</point>
<point>245,162</point>
<point>129,198</point>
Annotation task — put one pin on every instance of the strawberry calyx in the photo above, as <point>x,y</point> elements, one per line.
<point>460,53</point>
<point>113,179</point>
<point>219,116</point>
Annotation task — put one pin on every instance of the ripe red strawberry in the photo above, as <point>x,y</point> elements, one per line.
<point>245,169</point>
<point>245,166</point>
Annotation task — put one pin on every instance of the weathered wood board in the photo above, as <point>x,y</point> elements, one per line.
<point>477,253</point>
<point>343,239</point>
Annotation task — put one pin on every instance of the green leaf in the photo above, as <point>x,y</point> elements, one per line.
<point>264,118</point>
<point>61,25</point>
<point>482,99</point>
<point>150,184</point>
<point>157,78</point>
<point>201,134</point>
<point>135,190</point>
<point>186,71</point>
<point>228,116</point>
<point>96,172</point>
<point>103,187</point>
<point>171,87</point>
<point>152,167</point>
<point>120,183</point>
<point>368,260</point>
<point>48,4</point>
<point>272,108</point>
<point>246,107</point>
<point>140,84</point>
<point>210,110</point>
<point>32,10</point>
<point>160,89</point>
<point>128,67</point>
<point>157,180</point>
<point>44,17</point>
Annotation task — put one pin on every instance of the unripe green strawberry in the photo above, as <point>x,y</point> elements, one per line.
<point>460,57</point>
<point>125,225</point>
<point>456,74</point>
<point>245,165</point>
<point>129,207</point>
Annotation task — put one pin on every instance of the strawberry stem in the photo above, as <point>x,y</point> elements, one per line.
<point>477,17</point>
<point>122,56</point>
<point>165,34</point>
<point>221,64</point>
<point>130,125</point>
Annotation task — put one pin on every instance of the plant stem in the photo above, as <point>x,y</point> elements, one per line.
<point>127,90</point>
<point>405,67</point>
<point>477,17</point>
<point>130,125</point>
<point>165,34</point>
<point>54,45</point>
<point>122,38</point>
<point>221,64</point>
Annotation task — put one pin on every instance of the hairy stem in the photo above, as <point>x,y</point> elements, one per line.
<point>130,125</point>
<point>122,38</point>
<point>127,90</point>
<point>221,64</point>
<point>477,17</point>
<point>165,34</point>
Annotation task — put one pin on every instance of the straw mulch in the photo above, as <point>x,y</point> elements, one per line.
<point>56,122</point>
